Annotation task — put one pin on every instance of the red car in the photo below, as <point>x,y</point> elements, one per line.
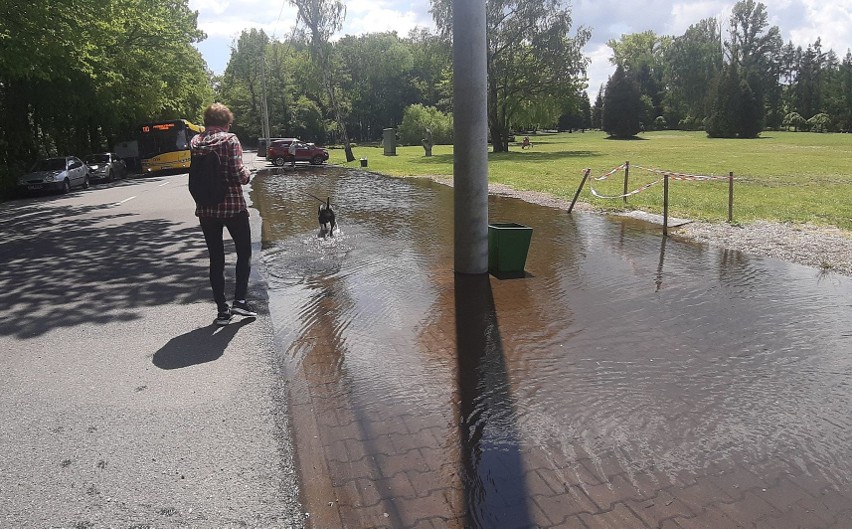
<point>279,152</point>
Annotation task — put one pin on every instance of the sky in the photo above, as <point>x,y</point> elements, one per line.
<point>800,21</point>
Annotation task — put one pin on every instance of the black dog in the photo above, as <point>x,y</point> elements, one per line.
<point>326,218</point>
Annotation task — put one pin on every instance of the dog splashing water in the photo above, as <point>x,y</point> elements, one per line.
<point>326,218</point>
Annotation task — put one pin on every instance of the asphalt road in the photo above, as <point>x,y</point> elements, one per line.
<point>121,404</point>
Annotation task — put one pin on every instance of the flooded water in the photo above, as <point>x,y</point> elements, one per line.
<point>621,357</point>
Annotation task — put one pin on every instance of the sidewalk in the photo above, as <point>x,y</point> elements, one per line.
<point>122,404</point>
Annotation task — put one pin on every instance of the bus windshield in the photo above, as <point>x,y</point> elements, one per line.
<point>162,137</point>
<point>164,145</point>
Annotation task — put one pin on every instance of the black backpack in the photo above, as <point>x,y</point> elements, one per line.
<point>207,182</point>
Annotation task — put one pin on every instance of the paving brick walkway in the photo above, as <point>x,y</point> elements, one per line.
<point>421,400</point>
<point>397,464</point>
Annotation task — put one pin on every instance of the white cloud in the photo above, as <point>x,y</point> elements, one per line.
<point>216,7</point>
<point>368,17</point>
<point>685,14</point>
<point>801,21</point>
<point>599,69</point>
<point>831,22</point>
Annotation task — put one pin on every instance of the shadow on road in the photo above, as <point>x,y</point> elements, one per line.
<point>197,347</point>
<point>67,265</point>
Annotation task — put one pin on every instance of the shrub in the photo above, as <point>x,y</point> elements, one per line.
<point>820,123</point>
<point>795,120</point>
<point>417,118</point>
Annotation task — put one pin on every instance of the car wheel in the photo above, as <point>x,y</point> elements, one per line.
<point>109,176</point>
<point>66,187</point>
<point>86,182</point>
<point>279,161</point>
<point>316,160</point>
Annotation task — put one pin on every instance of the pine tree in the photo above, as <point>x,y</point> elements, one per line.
<point>750,114</point>
<point>722,121</point>
<point>597,109</point>
<point>622,106</point>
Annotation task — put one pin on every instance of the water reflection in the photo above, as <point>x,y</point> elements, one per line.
<point>493,476</point>
<point>622,359</point>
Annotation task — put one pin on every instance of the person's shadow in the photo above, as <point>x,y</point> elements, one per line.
<point>197,347</point>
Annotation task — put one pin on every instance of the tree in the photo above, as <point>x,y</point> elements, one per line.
<point>323,18</point>
<point>531,59</point>
<point>748,116</point>
<point>755,49</point>
<point>808,89</point>
<point>307,120</point>
<point>839,94</point>
<point>693,61</point>
<point>431,74</point>
<point>585,111</point>
<point>577,115</point>
<point>63,91</point>
<point>722,120</point>
<point>241,83</point>
<point>597,109</point>
<point>379,70</point>
<point>622,106</point>
<point>643,56</point>
<point>418,118</point>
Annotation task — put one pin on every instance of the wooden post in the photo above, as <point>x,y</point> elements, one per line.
<point>730,197</point>
<point>666,205</point>
<point>626,175</point>
<point>577,194</point>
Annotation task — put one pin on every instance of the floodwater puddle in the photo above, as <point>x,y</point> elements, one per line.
<point>621,357</point>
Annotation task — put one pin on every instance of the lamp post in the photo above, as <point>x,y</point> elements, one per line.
<point>470,160</point>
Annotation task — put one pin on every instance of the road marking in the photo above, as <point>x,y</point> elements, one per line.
<point>125,200</point>
<point>164,183</point>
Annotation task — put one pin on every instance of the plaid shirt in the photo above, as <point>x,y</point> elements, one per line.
<point>230,152</point>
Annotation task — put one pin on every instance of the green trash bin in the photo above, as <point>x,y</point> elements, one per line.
<point>508,244</point>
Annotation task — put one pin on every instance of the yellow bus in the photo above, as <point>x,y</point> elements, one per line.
<point>164,145</point>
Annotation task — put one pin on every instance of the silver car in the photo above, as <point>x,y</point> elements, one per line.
<point>56,174</point>
<point>106,166</point>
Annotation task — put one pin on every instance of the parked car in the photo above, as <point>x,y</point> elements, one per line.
<point>106,166</point>
<point>56,174</point>
<point>279,152</point>
<point>278,145</point>
<point>261,144</point>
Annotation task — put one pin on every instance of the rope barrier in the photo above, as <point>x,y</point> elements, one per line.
<point>682,176</point>
<point>607,175</point>
<point>631,193</point>
<point>671,175</point>
<point>667,175</point>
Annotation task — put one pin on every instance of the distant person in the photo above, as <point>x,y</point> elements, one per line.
<point>526,143</point>
<point>292,151</point>
<point>231,213</point>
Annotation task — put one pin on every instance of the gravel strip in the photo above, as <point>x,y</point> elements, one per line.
<point>823,247</point>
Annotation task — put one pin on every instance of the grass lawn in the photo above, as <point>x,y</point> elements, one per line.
<point>781,176</point>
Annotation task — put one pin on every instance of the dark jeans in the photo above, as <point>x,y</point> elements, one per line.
<point>238,227</point>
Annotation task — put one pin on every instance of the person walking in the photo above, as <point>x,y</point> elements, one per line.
<point>292,150</point>
<point>232,213</point>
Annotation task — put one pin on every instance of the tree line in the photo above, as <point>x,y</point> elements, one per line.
<point>78,76</point>
<point>733,85</point>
